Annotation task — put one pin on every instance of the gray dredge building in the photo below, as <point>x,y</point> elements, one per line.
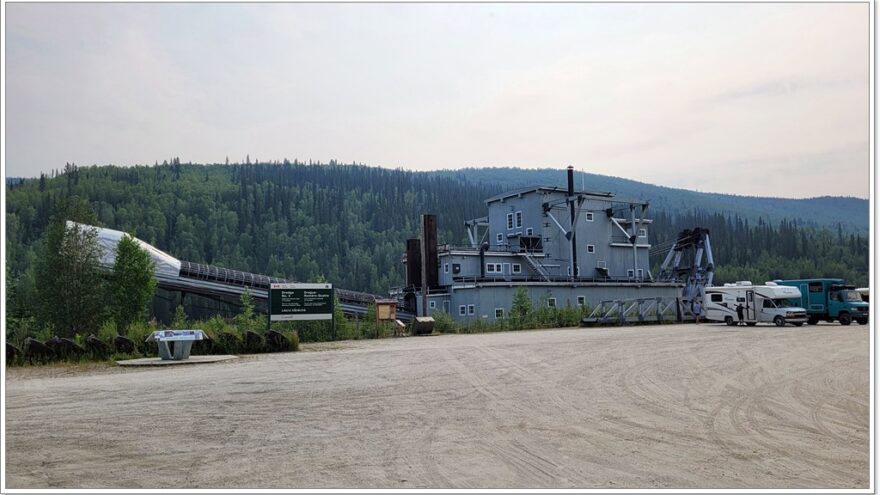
<point>527,240</point>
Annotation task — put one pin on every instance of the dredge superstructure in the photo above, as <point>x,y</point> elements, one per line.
<point>566,247</point>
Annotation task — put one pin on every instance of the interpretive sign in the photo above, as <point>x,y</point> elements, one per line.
<point>386,309</point>
<point>297,302</point>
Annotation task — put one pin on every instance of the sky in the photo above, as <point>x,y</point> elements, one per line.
<point>750,99</point>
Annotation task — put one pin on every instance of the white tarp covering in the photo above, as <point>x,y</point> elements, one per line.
<point>165,264</point>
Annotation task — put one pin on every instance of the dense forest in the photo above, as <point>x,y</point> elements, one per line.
<point>822,212</point>
<point>349,223</point>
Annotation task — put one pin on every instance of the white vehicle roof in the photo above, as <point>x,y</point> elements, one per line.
<point>772,291</point>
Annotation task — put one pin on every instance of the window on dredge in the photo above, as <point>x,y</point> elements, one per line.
<point>462,310</point>
<point>499,313</point>
<point>471,309</point>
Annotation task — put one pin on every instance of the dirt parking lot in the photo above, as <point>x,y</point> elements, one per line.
<point>674,406</point>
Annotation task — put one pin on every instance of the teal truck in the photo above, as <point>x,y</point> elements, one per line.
<point>829,299</point>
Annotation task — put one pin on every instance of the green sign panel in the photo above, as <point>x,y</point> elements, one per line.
<point>288,302</point>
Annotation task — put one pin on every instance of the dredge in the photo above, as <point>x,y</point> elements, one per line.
<point>567,248</point>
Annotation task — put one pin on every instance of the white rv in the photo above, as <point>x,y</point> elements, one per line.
<point>761,303</point>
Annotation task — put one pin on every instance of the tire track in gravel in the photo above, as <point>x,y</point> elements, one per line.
<point>574,416</point>
<point>800,418</point>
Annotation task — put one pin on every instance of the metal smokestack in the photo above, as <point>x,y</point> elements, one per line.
<point>574,270</point>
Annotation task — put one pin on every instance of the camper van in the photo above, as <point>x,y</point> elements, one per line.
<point>830,299</point>
<point>768,303</point>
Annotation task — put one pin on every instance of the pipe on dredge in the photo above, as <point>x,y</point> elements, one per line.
<point>574,271</point>
<point>483,248</point>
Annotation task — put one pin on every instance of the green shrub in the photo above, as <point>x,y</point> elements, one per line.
<point>180,321</point>
<point>294,340</point>
<point>107,331</point>
<point>444,323</point>
<point>138,333</point>
<point>18,329</point>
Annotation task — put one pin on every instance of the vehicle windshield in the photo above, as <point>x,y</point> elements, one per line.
<point>851,296</point>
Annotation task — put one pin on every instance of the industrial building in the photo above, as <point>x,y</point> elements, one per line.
<point>567,248</point>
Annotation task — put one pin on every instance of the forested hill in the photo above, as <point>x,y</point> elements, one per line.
<point>851,213</point>
<point>349,223</point>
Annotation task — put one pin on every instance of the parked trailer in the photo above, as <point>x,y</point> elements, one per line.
<point>769,303</point>
<point>830,299</point>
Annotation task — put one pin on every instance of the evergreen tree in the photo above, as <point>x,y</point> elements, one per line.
<point>247,319</point>
<point>132,283</point>
<point>180,321</point>
<point>522,305</point>
<point>68,278</point>
<point>342,330</point>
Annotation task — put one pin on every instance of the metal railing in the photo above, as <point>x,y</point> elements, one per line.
<point>650,309</point>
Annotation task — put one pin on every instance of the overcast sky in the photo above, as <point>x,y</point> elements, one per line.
<point>754,99</point>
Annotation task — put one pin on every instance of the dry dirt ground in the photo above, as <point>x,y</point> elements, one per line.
<point>674,406</point>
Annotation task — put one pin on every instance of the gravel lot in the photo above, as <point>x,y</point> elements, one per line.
<point>673,406</point>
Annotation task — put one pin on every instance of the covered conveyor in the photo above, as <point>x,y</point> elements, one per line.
<point>213,281</point>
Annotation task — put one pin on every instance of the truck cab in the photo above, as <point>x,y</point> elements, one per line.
<point>847,304</point>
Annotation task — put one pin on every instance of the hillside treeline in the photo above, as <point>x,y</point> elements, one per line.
<point>349,223</point>
<point>820,212</point>
<point>760,251</point>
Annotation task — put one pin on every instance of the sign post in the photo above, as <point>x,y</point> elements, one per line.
<point>301,302</point>
<point>386,310</point>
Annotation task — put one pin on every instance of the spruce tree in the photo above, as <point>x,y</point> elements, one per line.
<point>68,277</point>
<point>132,283</point>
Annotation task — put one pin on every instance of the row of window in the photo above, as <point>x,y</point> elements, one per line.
<point>490,267</point>
<point>515,218</point>
<point>497,267</point>
<point>591,248</point>
<point>517,268</point>
<point>499,238</point>
<point>469,309</point>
